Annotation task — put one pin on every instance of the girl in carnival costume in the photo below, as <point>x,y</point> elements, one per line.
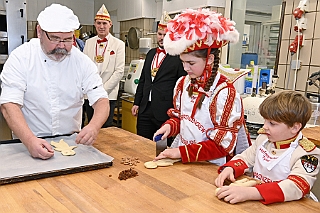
<point>208,116</point>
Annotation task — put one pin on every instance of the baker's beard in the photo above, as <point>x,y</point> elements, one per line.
<point>58,54</point>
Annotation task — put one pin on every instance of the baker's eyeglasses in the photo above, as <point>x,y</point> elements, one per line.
<point>57,40</point>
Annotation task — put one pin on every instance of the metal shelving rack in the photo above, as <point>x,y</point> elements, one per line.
<point>269,42</point>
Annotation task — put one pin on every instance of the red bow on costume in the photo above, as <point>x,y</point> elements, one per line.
<point>159,50</point>
<point>102,40</point>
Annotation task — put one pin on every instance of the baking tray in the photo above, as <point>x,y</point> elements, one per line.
<point>17,165</point>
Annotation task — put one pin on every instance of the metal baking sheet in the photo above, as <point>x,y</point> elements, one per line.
<point>17,165</point>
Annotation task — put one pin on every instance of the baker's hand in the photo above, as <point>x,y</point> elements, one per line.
<point>40,148</point>
<point>87,135</point>
<point>165,130</point>
<point>227,173</point>
<point>134,110</point>
<point>236,194</point>
<point>169,153</point>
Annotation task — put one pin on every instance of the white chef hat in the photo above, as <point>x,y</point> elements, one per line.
<point>58,18</point>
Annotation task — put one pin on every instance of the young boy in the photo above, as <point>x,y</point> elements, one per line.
<point>283,160</point>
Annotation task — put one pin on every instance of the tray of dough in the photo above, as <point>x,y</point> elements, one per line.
<point>17,165</point>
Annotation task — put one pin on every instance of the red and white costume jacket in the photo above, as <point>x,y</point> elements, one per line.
<point>210,133</point>
<point>287,169</point>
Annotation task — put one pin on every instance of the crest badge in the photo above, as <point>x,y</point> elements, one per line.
<point>309,163</point>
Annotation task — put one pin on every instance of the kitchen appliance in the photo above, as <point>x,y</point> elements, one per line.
<point>13,32</point>
<point>133,75</point>
<point>130,85</point>
<point>254,120</point>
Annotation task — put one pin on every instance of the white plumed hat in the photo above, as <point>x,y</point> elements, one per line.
<point>198,29</point>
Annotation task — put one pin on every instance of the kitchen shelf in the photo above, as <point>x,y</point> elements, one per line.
<point>269,43</point>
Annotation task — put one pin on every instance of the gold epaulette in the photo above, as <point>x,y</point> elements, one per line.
<point>261,131</point>
<point>307,145</point>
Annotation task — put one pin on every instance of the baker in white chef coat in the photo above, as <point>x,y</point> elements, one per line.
<point>43,84</point>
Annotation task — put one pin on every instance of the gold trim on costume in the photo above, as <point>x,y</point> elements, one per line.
<point>99,59</point>
<point>187,153</point>
<point>198,151</point>
<point>307,145</point>
<point>154,71</point>
<point>279,143</point>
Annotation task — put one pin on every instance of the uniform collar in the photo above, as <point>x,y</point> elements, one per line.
<point>284,144</point>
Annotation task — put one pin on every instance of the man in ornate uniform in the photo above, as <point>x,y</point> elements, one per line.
<point>108,53</point>
<point>207,116</point>
<point>155,89</point>
<point>285,163</point>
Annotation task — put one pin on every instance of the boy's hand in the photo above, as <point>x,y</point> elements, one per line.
<point>236,194</point>
<point>227,173</point>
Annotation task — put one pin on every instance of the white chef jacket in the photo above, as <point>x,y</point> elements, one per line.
<point>50,93</point>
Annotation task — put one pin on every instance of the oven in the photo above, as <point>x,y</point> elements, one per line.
<point>13,33</point>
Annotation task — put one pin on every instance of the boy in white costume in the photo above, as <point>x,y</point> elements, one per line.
<point>207,116</point>
<point>283,160</point>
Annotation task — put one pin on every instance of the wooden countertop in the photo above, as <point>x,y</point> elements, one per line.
<point>178,188</point>
<point>313,134</point>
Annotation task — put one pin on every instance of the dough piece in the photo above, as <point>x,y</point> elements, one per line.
<point>161,162</point>
<point>166,161</point>
<point>216,191</point>
<point>244,182</point>
<point>64,148</point>
<point>150,165</point>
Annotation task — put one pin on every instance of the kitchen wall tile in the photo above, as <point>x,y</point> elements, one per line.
<point>289,7</point>
<point>317,27</point>
<point>287,27</point>
<point>315,53</point>
<point>305,52</point>
<point>302,76</point>
<point>284,55</point>
<point>312,6</point>
<point>282,70</point>
<point>310,23</point>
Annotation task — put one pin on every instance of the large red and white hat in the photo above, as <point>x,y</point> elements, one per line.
<point>198,29</point>
<point>102,14</point>
<point>165,18</point>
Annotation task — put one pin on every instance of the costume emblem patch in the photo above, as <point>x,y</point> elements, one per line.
<point>309,163</point>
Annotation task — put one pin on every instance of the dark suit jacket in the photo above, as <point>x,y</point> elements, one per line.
<point>162,86</point>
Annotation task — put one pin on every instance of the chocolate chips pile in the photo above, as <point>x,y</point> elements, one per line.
<point>128,173</point>
<point>131,161</point>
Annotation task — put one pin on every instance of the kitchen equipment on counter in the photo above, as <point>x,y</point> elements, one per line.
<point>129,121</point>
<point>161,145</point>
<point>134,35</point>
<point>13,32</point>
<point>133,75</point>
<point>254,120</point>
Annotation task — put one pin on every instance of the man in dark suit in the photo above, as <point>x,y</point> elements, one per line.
<point>154,93</point>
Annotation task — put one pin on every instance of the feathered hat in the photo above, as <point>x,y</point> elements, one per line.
<point>165,18</point>
<point>198,29</point>
<point>102,14</point>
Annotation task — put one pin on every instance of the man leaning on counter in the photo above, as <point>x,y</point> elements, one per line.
<point>44,82</point>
